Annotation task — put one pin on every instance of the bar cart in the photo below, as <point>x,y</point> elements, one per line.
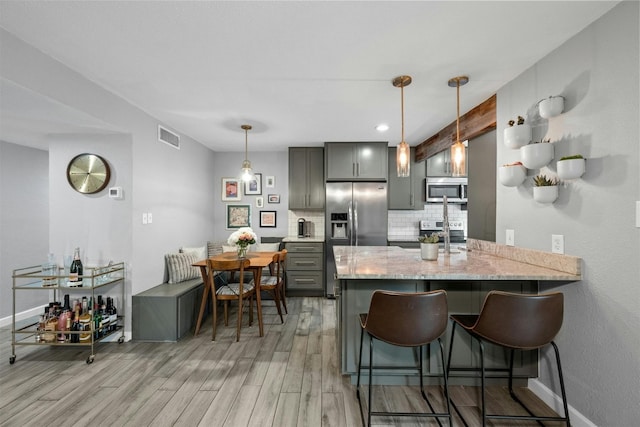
<point>106,278</point>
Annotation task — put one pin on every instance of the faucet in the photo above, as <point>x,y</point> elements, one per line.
<point>445,226</point>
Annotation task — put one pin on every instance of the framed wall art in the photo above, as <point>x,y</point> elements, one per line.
<point>270,181</point>
<point>267,218</point>
<point>238,216</point>
<point>273,198</point>
<point>231,190</point>
<point>259,202</point>
<point>253,187</point>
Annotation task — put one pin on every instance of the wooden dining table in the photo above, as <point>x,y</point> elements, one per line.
<point>257,261</point>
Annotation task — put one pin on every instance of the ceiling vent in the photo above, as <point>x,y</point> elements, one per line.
<point>168,137</point>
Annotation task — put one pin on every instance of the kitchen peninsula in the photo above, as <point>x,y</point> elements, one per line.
<point>467,275</point>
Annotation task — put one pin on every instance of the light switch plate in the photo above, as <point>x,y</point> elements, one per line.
<point>149,217</point>
<point>145,218</point>
<point>510,239</point>
<point>557,243</point>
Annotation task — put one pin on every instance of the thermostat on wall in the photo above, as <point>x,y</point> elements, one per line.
<point>115,192</point>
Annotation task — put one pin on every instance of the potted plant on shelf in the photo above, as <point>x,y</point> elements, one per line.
<point>512,174</point>
<point>517,136</point>
<point>545,190</point>
<point>571,167</point>
<point>429,246</point>
<point>537,155</point>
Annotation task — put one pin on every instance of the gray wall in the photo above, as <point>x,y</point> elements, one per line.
<point>24,219</point>
<point>274,164</point>
<point>481,221</point>
<point>597,71</point>
<point>177,186</point>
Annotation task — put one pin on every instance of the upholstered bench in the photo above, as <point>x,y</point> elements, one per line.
<point>166,312</point>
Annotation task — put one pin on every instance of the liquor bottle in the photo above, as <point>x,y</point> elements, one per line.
<point>85,305</point>
<point>97,322</point>
<point>105,320</point>
<point>75,326</point>
<point>75,271</point>
<point>113,315</point>
<point>65,313</point>
<point>85,326</point>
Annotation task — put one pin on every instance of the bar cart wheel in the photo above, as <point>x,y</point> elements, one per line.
<point>120,340</point>
<point>12,359</point>
<point>90,359</point>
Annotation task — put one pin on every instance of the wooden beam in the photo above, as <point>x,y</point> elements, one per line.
<point>481,119</point>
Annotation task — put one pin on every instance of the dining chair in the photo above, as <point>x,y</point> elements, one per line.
<point>274,283</point>
<point>240,290</point>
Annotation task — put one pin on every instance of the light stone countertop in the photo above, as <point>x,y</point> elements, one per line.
<point>312,239</point>
<point>481,263</point>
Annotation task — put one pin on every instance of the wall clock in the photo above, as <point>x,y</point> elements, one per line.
<point>88,173</point>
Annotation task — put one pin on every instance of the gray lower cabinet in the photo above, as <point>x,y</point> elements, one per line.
<point>353,161</point>
<point>305,268</point>
<point>406,193</point>
<point>306,178</point>
<point>166,312</point>
<point>462,297</point>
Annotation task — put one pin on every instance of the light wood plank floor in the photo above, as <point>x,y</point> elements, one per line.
<point>289,377</point>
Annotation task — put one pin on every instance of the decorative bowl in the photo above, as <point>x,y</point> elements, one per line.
<point>551,107</point>
<point>512,176</point>
<point>517,136</point>
<point>535,156</point>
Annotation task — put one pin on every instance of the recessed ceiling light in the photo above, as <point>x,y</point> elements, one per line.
<point>382,127</point>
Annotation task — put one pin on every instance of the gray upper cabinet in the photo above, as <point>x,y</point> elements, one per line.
<point>440,164</point>
<point>356,161</point>
<point>408,192</point>
<point>306,178</point>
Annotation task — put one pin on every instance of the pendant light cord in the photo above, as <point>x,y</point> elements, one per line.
<point>458,116</point>
<point>402,109</point>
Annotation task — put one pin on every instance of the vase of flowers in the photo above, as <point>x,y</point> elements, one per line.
<point>429,246</point>
<point>242,238</point>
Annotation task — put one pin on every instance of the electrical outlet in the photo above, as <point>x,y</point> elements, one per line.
<point>557,243</point>
<point>145,218</point>
<point>510,239</point>
<point>149,217</point>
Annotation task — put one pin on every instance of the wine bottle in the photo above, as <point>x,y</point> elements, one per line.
<point>85,325</point>
<point>75,271</point>
<point>75,326</point>
<point>113,315</point>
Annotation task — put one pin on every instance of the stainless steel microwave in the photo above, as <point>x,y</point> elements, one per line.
<point>454,188</point>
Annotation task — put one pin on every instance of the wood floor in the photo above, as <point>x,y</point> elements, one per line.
<point>289,377</point>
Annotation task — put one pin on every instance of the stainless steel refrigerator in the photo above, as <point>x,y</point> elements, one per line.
<point>355,215</point>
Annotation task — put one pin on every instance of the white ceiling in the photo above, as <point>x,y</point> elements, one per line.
<point>300,72</point>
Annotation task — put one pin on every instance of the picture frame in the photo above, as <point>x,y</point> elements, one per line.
<point>231,190</point>
<point>268,219</point>
<point>238,216</point>
<point>259,202</point>
<point>273,198</point>
<point>270,181</point>
<point>253,187</point>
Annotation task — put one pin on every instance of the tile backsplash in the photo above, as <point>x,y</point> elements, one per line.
<point>404,224</point>
<point>400,224</point>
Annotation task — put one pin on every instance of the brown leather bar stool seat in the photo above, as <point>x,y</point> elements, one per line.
<point>516,322</point>
<point>406,320</point>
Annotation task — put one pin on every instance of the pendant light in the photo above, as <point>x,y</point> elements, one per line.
<point>403,152</point>
<point>247,174</point>
<point>458,156</point>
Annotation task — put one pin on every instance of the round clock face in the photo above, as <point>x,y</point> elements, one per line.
<point>88,173</point>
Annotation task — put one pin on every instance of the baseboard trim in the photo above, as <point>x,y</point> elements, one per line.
<point>555,402</point>
<point>32,312</point>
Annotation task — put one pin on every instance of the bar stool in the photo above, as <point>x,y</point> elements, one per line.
<point>406,320</point>
<point>515,322</point>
